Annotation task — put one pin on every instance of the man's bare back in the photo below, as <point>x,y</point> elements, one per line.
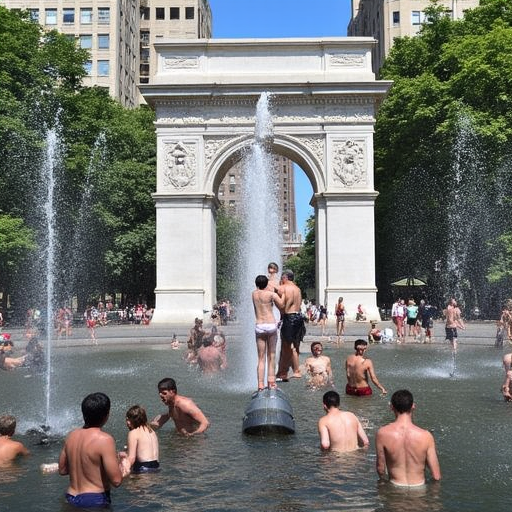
<point>358,368</point>
<point>263,301</point>
<point>339,431</point>
<point>405,449</point>
<point>88,454</point>
<point>9,450</point>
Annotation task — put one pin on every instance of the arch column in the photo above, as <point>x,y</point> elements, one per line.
<point>346,251</point>
<point>185,241</point>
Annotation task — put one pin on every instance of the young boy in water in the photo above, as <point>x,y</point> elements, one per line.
<point>142,456</point>
<point>9,449</point>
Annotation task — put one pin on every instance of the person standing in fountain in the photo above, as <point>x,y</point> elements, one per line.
<point>358,369</point>
<point>340,320</point>
<point>340,431</point>
<point>318,368</point>
<point>453,321</point>
<point>292,329</point>
<point>404,449</point>
<point>9,449</point>
<point>89,457</point>
<point>273,277</point>
<point>266,329</point>
<point>209,358</point>
<point>188,419</point>
<point>142,455</point>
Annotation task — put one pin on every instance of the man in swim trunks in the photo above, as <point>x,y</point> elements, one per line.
<point>263,300</point>
<point>188,418</point>
<point>318,367</point>
<point>405,449</point>
<point>358,369</point>
<point>89,457</point>
<point>453,321</point>
<point>292,329</point>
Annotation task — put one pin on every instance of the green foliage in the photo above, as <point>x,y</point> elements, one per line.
<point>303,264</point>
<point>229,237</point>
<point>442,151</point>
<point>105,217</point>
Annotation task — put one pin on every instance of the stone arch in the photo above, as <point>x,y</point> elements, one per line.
<point>325,99</point>
<point>282,144</point>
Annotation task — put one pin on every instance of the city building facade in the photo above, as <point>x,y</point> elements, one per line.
<point>119,35</point>
<point>231,198</point>
<point>109,29</point>
<point>386,20</point>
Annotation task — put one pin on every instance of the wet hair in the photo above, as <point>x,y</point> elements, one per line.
<point>138,417</point>
<point>289,274</point>
<point>315,343</point>
<point>95,409</point>
<point>7,425</point>
<point>331,399</point>
<point>340,299</point>
<point>207,341</point>
<point>357,343</point>
<point>261,282</point>
<point>274,266</point>
<point>402,401</point>
<point>167,384</point>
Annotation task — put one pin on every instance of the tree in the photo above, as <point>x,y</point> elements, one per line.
<point>442,147</point>
<point>303,264</point>
<point>16,244</point>
<point>229,236</point>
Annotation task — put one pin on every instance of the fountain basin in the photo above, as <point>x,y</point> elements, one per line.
<point>269,412</point>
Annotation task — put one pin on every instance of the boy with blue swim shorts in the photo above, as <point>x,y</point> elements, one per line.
<point>89,457</point>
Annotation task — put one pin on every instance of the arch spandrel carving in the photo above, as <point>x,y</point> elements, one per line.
<point>178,166</point>
<point>349,166</point>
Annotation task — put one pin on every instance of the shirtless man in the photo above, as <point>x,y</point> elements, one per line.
<point>188,419</point>
<point>209,358</point>
<point>292,329</point>
<point>318,367</point>
<point>405,449</point>
<point>358,369</point>
<point>453,321</point>
<point>263,300</point>
<point>340,431</point>
<point>89,457</point>
<point>9,449</point>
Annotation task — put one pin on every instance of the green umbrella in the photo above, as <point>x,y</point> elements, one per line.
<point>409,281</point>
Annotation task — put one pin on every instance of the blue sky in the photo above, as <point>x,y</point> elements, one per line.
<point>282,18</point>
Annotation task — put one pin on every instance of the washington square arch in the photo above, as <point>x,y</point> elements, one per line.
<point>324,102</point>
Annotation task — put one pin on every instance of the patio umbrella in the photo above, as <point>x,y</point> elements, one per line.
<point>409,281</point>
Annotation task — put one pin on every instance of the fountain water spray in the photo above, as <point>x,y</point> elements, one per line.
<point>262,238</point>
<point>48,171</point>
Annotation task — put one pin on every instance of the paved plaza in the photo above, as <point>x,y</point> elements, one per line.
<point>476,333</point>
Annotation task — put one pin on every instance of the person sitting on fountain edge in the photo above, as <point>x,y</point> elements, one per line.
<point>292,329</point>
<point>188,419</point>
<point>89,457</point>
